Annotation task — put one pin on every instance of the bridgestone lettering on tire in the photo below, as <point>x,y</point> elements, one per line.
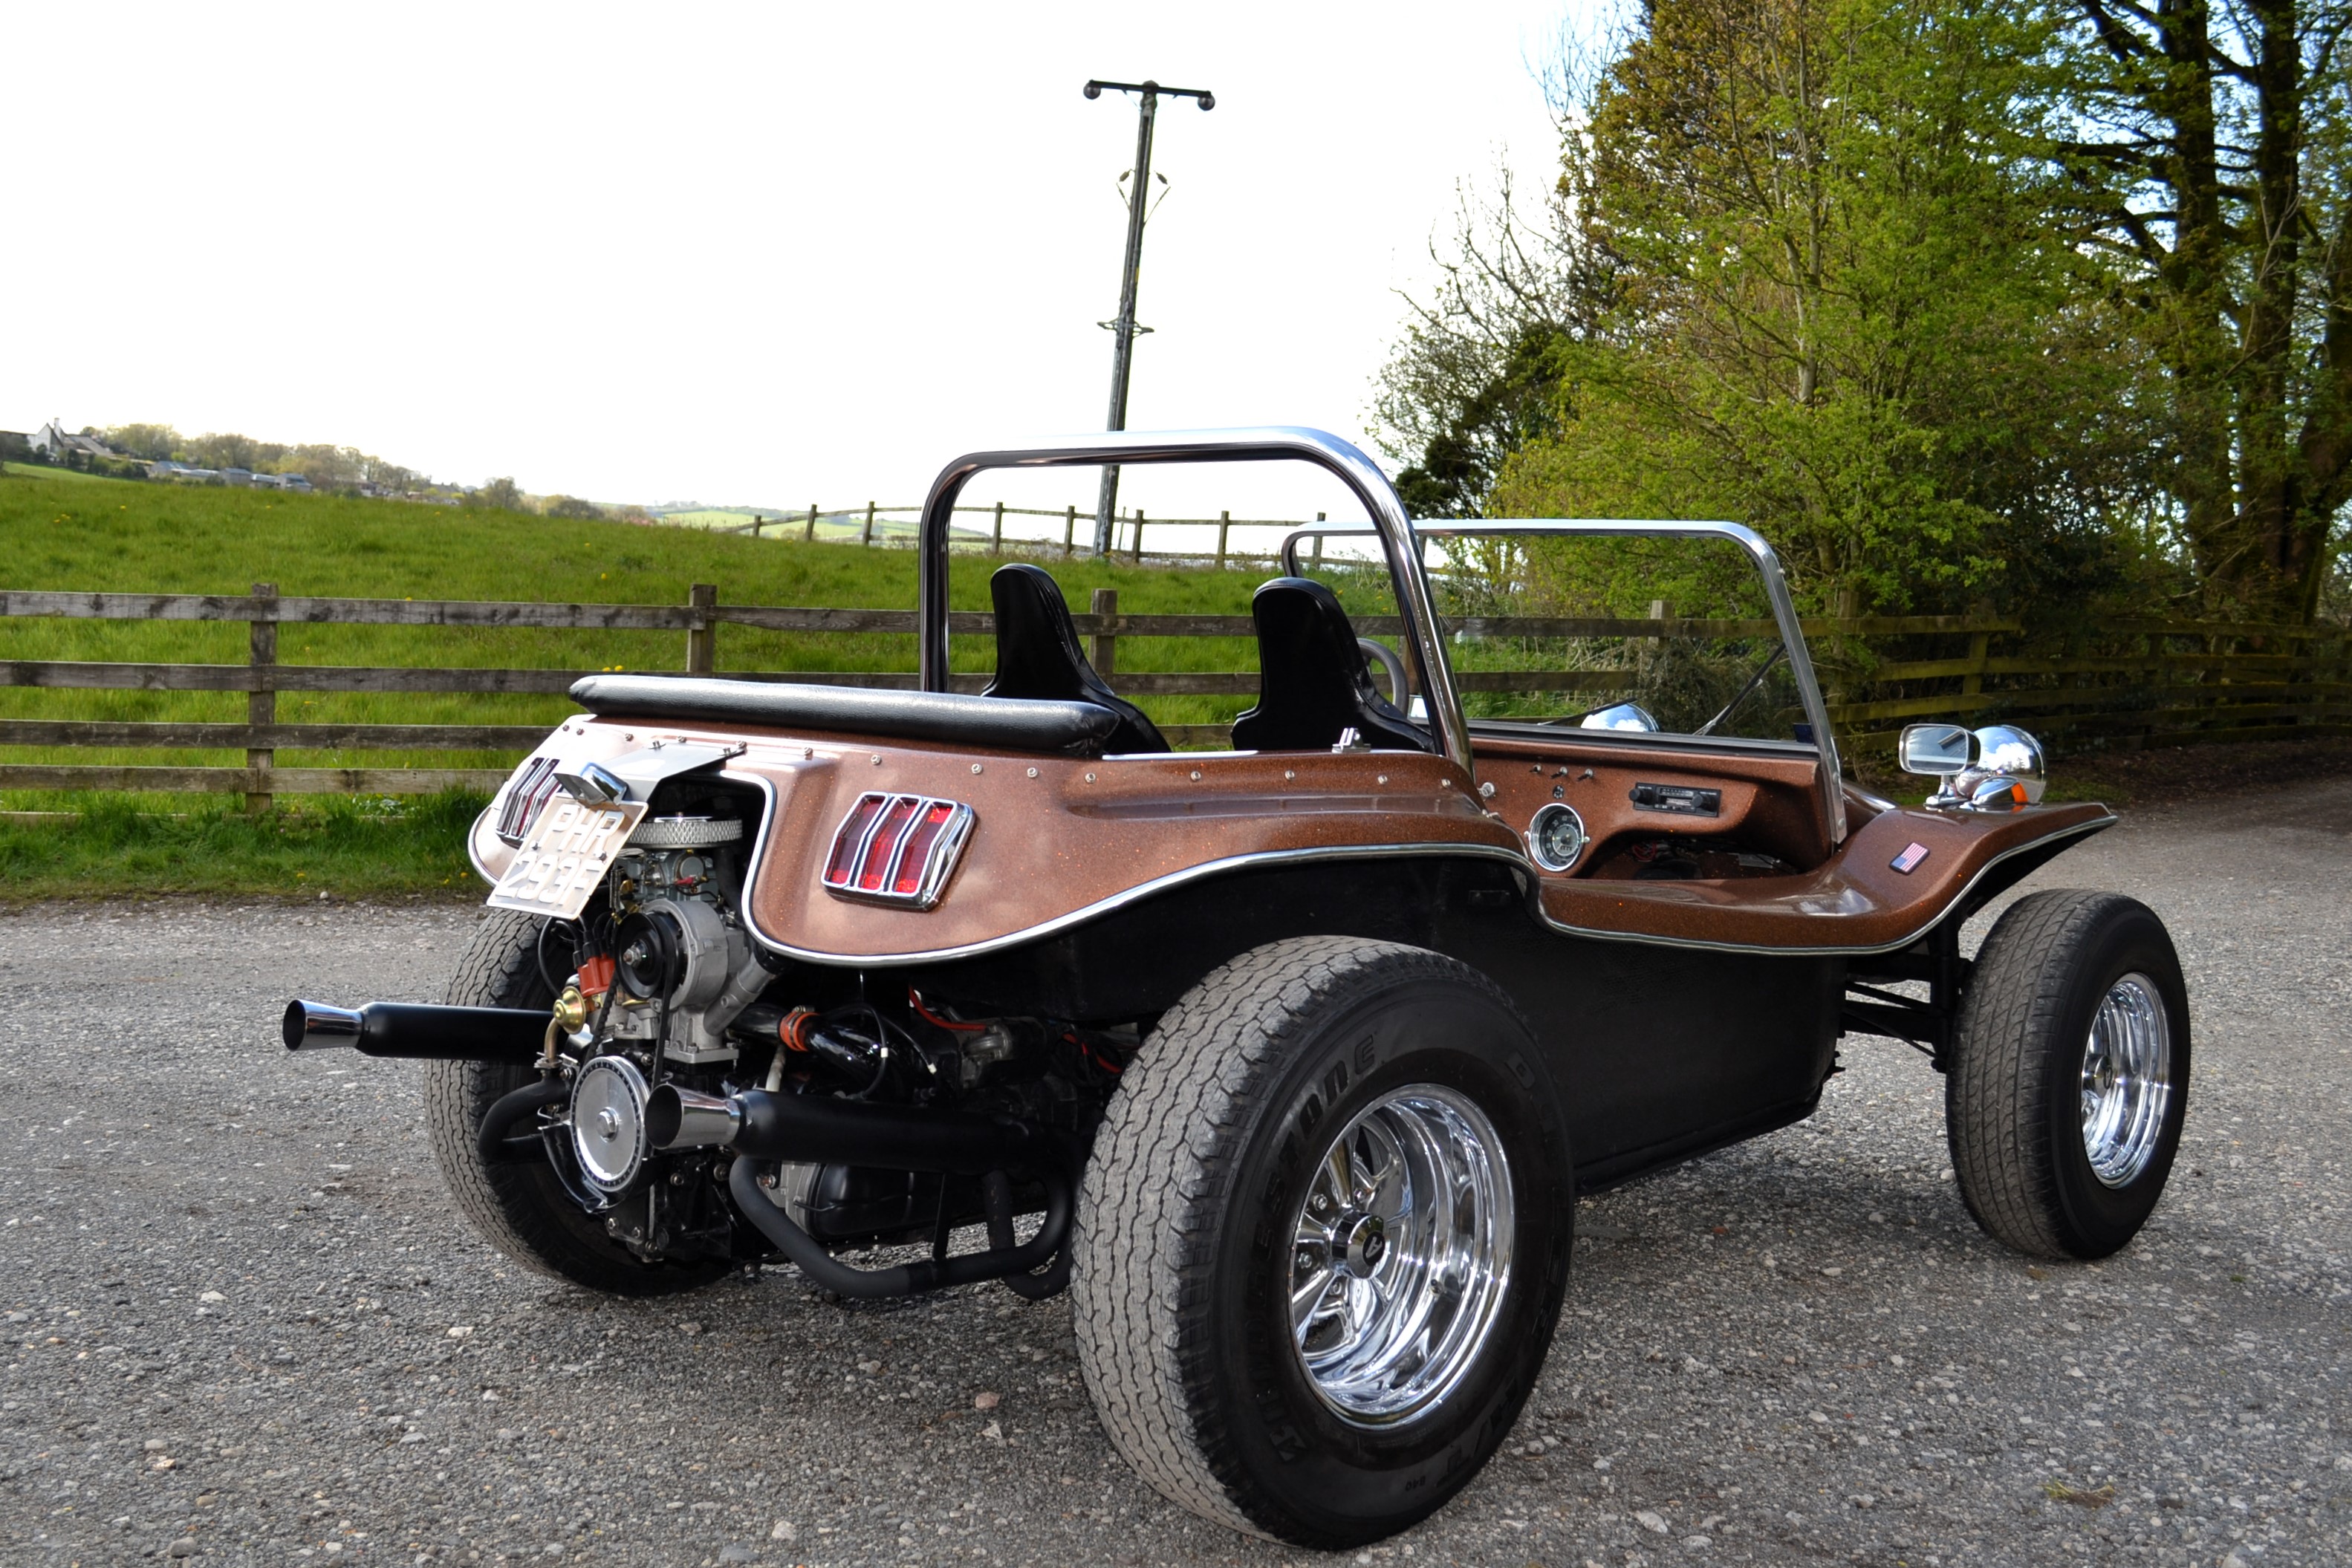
<point>521,1209</point>
<point>1184,1258</point>
<point>2017,1101</point>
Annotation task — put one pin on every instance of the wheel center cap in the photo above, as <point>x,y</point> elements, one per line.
<point>1363,1242</point>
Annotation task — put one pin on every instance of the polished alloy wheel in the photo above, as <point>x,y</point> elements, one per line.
<point>1400,1254</point>
<point>2127,1081</point>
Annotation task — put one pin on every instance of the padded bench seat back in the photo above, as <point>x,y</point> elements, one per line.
<point>996,723</point>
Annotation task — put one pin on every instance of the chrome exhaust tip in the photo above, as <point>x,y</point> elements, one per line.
<point>681,1119</point>
<point>315,1026</point>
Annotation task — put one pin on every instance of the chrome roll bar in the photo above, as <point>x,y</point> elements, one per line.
<point>1767,565</point>
<point>1266,444</point>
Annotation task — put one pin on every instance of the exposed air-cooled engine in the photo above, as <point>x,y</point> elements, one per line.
<point>691,1081</point>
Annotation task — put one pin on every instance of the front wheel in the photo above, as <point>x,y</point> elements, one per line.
<point>2069,1081</point>
<point>1323,1239</point>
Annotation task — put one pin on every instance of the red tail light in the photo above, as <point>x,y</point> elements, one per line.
<point>897,848</point>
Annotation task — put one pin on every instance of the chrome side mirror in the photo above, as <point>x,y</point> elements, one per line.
<point>1621,715</point>
<point>1937,750</point>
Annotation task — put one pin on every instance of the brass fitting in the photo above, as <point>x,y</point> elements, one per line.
<point>572,1011</point>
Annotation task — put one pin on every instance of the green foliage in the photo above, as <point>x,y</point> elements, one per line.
<point>118,846</point>
<point>1833,308</point>
<point>153,441</point>
<point>1810,265</point>
<point>2211,153</point>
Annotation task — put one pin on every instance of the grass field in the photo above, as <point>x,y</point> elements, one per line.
<point>70,532</point>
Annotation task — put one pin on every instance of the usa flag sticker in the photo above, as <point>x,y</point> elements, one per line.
<point>1908,861</point>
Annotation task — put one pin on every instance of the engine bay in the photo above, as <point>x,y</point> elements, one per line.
<point>662,989</point>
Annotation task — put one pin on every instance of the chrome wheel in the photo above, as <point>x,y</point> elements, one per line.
<point>2127,1081</point>
<point>1400,1255</point>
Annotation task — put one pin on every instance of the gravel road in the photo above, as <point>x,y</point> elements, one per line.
<point>244,1324</point>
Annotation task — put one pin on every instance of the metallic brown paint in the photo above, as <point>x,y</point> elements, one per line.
<point>1056,836</point>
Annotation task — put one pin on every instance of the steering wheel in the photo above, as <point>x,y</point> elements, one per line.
<point>1386,657</point>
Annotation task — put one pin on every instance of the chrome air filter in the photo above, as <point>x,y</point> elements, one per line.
<point>686,832</point>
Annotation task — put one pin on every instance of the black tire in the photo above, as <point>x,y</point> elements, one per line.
<point>522,1209</point>
<point>2013,1098</point>
<point>1182,1247</point>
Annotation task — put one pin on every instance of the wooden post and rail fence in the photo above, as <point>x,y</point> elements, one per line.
<point>871,527</point>
<point>2155,683</point>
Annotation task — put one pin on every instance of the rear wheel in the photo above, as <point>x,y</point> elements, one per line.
<point>2069,1081</point>
<point>522,1209</point>
<point>1323,1239</point>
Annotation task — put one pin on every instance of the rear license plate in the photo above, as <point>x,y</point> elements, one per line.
<point>564,856</point>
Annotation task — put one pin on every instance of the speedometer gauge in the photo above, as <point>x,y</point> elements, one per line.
<point>1556,836</point>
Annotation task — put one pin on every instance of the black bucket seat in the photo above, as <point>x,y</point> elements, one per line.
<point>1037,655</point>
<point>1312,683</point>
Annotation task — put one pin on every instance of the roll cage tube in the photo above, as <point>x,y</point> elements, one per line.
<point>1768,566</point>
<point>1267,444</point>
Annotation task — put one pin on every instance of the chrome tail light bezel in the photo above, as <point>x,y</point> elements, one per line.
<point>909,867</point>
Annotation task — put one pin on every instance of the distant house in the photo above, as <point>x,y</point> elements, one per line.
<point>298,483</point>
<point>167,469</point>
<point>54,443</point>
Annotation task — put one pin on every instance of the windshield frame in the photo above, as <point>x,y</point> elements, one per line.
<point>1760,554</point>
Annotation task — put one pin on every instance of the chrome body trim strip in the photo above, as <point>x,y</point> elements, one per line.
<point>1359,473</point>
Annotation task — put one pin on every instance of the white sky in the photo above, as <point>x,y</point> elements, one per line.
<point>747,255</point>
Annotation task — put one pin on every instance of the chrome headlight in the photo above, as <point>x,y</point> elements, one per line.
<point>2009,770</point>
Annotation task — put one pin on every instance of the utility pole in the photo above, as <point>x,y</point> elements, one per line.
<point>1124,329</point>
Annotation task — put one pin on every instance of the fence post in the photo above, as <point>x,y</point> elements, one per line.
<point>1106,649</point>
<point>808,535</point>
<point>755,525</point>
<point>1069,529</point>
<point>1224,528</point>
<point>1979,649</point>
<point>261,697</point>
<point>869,525</point>
<point>1138,555</point>
<point>996,543</point>
<point>701,635</point>
<point>1318,544</point>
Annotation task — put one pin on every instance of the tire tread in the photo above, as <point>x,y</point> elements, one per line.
<point>1144,1246</point>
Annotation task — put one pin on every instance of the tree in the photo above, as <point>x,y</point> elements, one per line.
<point>503,494</point>
<point>1801,270</point>
<point>1476,377</point>
<point>219,451</point>
<point>2215,156</point>
<point>572,507</point>
<point>153,441</point>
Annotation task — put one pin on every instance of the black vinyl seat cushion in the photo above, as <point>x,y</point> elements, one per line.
<point>1038,657</point>
<point>1003,724</point>
<point>1312,682</point>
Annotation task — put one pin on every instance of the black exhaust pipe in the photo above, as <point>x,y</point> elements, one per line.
<point>819,1130</point>
<point>418,1032</point>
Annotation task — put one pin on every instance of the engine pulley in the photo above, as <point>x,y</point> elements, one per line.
<point>608,1123</point>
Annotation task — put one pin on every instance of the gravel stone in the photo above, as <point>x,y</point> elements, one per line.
<point>163,1145</point>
